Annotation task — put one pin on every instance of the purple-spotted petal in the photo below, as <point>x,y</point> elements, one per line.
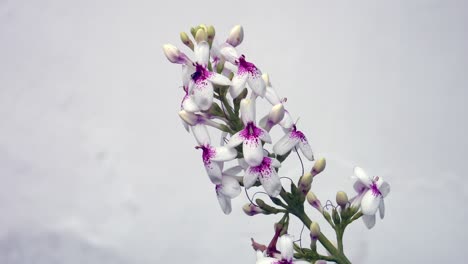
<point>285,144</point>
<point>362,176</point>
<point>370,202</point>
<point>202,91</point>
<point>270,181</point>
<point>256,83</point>
<point>230,187</point>
<point>285,246</point>
<point>306,149</point>
<point>219,79</point>
<point>224,202</point>
<point>235,140</point>
<point>264,135</point>
<point>202,53</point>
<point>237,85</point>
<point>250,177</point>
<point>382,209</point>
<point>224,154</point>
<point>253,151</point>
<point>201,134</point>
<point>214,171</point>
<point>369,220</point>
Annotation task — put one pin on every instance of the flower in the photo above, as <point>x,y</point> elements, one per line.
<point>371,194</point>
<point>213,158</point>
<point>267,175</point>
<point>251,136</point>
<point>275,116</point>
<point>272,97</point>
<point>294,138</point>
<point>285,246</point>
<point>247,72</point>
<point>228,189</point>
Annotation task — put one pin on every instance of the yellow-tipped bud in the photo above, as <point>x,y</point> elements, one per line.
<point>173,54</point>
<point>319,166</point>
<point>251,209</point>
<point>305,183</point>
<point>236,36</point>
<point>312,199</point>
<point>341,199</point>
<point>186,40</point>
<point>314,231</point>
<point>211,33</point>
<point>201,35</point>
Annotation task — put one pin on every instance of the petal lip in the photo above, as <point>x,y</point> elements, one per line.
<point>370,203</point>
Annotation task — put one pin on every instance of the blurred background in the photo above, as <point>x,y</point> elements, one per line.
<point>96,167</point>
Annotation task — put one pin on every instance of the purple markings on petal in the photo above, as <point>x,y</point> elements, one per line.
<point>264,169</point>
<point>208,153</point>
<point>373,187</point>
<point>200,75</point>
<point>251,133</point>
<point>218,188</point>
<point>283,261</point>
<point>247,67</point>
<point>297,134</point>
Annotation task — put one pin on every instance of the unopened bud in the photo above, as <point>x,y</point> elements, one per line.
<point>305,183</point>
<point>341,199</point>
<point>186,40</point>
<point>319,166</point>
<point>211,33</point>
<point>314,231</point>
<point>174,55</point>
<point>251,209</point>
<point>201,35</point>
<point>266,79</point>
<point>312,199</point>
<point>236,36</point>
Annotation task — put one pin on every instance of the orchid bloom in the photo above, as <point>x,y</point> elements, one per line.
<point>292,139</point>
<point>285,246</point>
<point>266,173</point>
<point>228,189</point>
<point>251,136</point>
<point>371,194</point>
<point>247,72</point>
<point>272,97</point>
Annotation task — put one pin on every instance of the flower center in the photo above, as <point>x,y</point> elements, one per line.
<point>297,134</point>
<point>250,131</point>
<point>208,153</point>
<point>374,189</point>
<point>200,74</point>
<point>245,66</point>
<point>264,169</point>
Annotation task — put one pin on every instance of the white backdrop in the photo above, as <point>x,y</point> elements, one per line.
<point>95,166</point>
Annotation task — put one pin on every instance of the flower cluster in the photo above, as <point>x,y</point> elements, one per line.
<point>221,89</point>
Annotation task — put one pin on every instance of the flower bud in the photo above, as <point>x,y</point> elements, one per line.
<point>186,40</point>
<point>319,166</point>
<point>174,55</point>
<point>276,114</point>
<point>305,182</point>
<point>211,33</point>
<point>312,199</point>
<point>236,36</point>
<point>341,199</point>
<point>251,209</point>
<point>314,230</point>
<point>201,35</point>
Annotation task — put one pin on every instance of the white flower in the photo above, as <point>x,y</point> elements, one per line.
<point>213,158</point>
<point>267,175</point>
<point>371,194</point>
<point>251,136</point>
<point>247,72</point>
<point>228,189</point>
<point>294,138</point>
<point>285,246</point>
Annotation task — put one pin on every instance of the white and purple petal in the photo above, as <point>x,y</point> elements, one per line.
<point>369,220</point>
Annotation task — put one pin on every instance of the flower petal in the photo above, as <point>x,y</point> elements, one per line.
<point>256,83</point>
<point>250,177</point>
<point>287,121</point>
<point>382,209</point>
<point>232,171</point>
<point>247,109</point>
<point>384,187</point>
<point>201,134</point>
<point>359,187</point>
<point>285,246</point>
<point>362,176</point>
<point>224,202</point>
<point>235,140</point>
<point>229,53</point>
<point>238,84</point>
<point>202,53</point>
<point>253,151</point>
<point>214,171</point>
<point>370,203</point>
<point>219,79</point>
<point>189,105</point>
<point>264,135</point>
<point>272,96</point>
<point>224,154</point>
<point>369,220</point>
<point>270,182</point>
<point>202,91</point>
<point>285,144</point>
<point>306,149</point>
<point>243,164</point>
<point>230,187</point>
<point>275,163</point>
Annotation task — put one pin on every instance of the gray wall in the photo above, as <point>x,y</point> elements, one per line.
<point>95,166</point>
